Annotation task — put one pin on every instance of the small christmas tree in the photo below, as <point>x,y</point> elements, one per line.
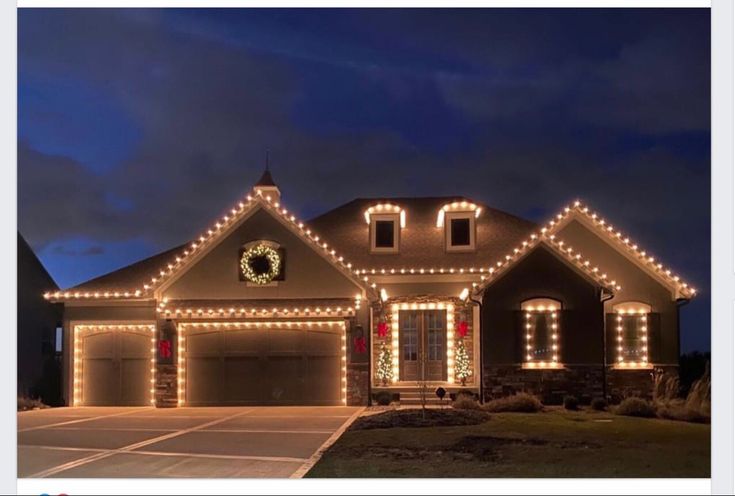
<point>385,364</point>
<point>462,362</point>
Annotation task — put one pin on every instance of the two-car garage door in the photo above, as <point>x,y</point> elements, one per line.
<point>249,364</point>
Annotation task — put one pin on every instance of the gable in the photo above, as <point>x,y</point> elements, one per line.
<point>541,267</point>
<point>637,281</point>
<point>215,275</point>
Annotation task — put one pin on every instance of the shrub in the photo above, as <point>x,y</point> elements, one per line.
<point>635,407</point>
<point>25,403</point>
<point>521,402</point>
<point>571,402</point>
<point>465,402</point>
<point>599,404</point>
<point>678,410</point>
<point>465,392</point>
<point>383,398</point>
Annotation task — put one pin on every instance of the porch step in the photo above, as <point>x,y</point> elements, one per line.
<point>414,398</point>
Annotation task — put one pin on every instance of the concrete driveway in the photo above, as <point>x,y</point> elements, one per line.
<point>178,442</point>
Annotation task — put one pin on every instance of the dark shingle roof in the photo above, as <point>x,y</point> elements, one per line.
<point>345,229</point>
<point>132,276</point>
<point>421,241</point>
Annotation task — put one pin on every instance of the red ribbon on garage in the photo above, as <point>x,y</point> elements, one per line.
<point>359,345</point>
<point>164,348</point>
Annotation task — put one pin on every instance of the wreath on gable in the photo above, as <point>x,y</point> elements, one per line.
<point>260,264</point>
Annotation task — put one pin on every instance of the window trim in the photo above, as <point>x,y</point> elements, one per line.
<point>392,217</point>
<point>641,311</point>
<point>448,218</point>
<point>546,306</point>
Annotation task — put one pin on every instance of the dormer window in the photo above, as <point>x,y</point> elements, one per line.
<point>385,221</point>
<point>458,220</point>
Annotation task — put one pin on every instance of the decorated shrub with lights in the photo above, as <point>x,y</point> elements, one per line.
<point>385,365</point>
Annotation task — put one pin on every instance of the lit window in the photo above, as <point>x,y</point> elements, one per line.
<point>631,335</point>
<point>541,333</point>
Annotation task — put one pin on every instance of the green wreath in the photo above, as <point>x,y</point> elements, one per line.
<point>260,264</point>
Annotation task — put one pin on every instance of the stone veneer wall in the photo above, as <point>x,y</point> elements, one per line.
<point>584,382</point>
<point>166,386</point>
<point>358,377</point>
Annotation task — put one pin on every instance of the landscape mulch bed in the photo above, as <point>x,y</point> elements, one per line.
<point>416,418</point>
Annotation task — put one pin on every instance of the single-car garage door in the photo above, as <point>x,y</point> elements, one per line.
<point>263,364</point>
<point>113,365</point>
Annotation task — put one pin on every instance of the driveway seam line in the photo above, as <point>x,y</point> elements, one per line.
<point>283,459</point>
<point>304,469</point>
<point>86,419</point>
<point>131,447</point>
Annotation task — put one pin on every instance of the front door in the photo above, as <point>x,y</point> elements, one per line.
<point>423,345</point>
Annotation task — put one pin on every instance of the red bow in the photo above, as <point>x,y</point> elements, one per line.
<point>382,329</point>
<point>164,348</point>
<point>359,345</point>
<point>462,329</point>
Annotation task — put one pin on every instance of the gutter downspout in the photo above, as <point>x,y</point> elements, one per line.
<point>482,368</point>
<point>680,302</point>
<point>603,299</point>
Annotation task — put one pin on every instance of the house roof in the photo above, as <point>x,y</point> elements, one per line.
<point>342,236</point>
<point>266,179</point>
<point>421,241</point>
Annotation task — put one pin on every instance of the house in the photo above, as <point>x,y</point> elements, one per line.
<point>39,367</point>
<point>376,295</point>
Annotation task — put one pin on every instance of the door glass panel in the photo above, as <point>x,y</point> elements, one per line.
<point>410,332</point>
<point>435,335</point>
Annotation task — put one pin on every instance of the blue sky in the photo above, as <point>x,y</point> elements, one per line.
<point>137,127</point>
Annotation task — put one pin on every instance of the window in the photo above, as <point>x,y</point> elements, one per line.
<point>460,231</point>
<point>541,333</point>
<point>385,232</point>
<point>59,341</point>
<point>631,334</point>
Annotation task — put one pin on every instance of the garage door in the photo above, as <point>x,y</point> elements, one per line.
<point>274,365</point>
<point>114,365</point>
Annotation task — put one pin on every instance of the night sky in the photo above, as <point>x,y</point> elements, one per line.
<point>137,128</point>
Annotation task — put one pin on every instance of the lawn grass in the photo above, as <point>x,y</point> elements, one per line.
<point>555,443</point>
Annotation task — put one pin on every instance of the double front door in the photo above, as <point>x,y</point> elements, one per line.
<point>423,345</point>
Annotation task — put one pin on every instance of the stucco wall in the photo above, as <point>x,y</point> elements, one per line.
<point>637,285</point>
<point>307,274</point>
<point>542,275</point>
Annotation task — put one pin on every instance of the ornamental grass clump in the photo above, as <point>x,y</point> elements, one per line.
<point>694,408</point>
<point>521,402</point>
<point>635,407</point>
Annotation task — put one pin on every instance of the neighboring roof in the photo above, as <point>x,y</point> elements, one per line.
<point>31,272</point>
<point>421,242</point>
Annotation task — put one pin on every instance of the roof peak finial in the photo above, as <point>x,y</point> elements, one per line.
<point>267,160</point>
<point>266,179</point>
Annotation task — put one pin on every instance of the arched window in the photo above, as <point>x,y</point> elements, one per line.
<point>541,333</point>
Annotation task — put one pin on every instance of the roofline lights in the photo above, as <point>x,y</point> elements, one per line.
<point>458,206</point>
<point>386,208</point>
